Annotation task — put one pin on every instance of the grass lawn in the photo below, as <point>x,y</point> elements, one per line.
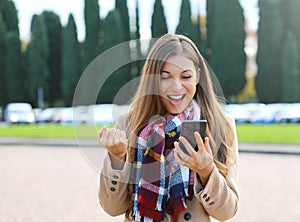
<point>49,131</point>
<point>275,133</point>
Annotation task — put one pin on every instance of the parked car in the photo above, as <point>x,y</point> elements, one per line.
<point>243,113</point>
<point>71,115</point>
<point>265,115</point>
<point>1,114</point>
<point>101,114</point>
<point>47,115</point>
<point>20,112</point>
<point>291,113</point>
<point>240,113</point>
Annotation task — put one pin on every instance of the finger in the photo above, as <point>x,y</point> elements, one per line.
<point>112,136</point>
<point>176,150</point>
<point>206,145</point>
<point>199,142</point>
<point>122,135</point>
<point>101,131</point>
<point>182,157</point>
<point>103,137</point>
<point>187,145</point>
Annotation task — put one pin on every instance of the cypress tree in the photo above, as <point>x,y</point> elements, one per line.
<point>2,2</point>
<point>13,76</point>
<point>226,37</point>
<point>290,70</point>
<point>2,62</point>
<point>270,33</point>
<point>119,78</point>
<point>210,20</point>
<point>159,24</point>
<point>10,17</point>
<point>92,26</point>
<point>12,57</point>
<point>121,5</point>
<point>198,40</point>
<point>186,25</point>
<point>54,33</point>
<point>70,61</point>
<point>137,67</point>
<point>37,57</point>
<point>137,21</point>
<point>291,17</point>
<point>139,63</point>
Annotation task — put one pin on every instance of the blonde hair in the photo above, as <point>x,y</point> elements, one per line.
<point>147,102</point>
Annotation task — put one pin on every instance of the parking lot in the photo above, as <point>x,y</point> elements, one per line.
<point>99,114</point>
<point>55,183</point>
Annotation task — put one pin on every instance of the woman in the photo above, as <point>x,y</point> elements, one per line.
<point>146,174</point>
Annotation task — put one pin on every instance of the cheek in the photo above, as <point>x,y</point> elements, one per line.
<point>164,86</point>
<point>191,87</point>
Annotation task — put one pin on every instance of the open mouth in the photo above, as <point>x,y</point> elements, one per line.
<point>176,99</point>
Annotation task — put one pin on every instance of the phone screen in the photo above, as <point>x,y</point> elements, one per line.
<point>187,130</point>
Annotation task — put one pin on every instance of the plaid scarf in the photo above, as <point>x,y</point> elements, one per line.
<point>160,183</point>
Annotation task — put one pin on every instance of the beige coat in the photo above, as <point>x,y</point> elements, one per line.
<point>217,200</point>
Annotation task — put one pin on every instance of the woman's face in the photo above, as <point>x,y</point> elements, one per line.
<point>179,78</point>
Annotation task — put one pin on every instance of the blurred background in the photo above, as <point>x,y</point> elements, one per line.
<point>252,47</point>
<point>45,46</point>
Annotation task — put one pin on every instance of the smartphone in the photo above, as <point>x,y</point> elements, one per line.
<point>188,128</point>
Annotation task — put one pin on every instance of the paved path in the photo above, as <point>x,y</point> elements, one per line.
<point>56,184</point>
<point>243,147</point>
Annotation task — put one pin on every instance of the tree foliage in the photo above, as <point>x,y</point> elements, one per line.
<point>121,5</point>
<point>37,57</point>
<point>2,62</point>
<point>270,34</point>
<point>290,70</point>
<point>10,16</point>
<point>48,66</point>
<point>119,78</point>
<point>10,53</point>
<point>92,26</point>
<point>70,61</point>
<point>186,25</point>
<point>226,36</point>
<point>14,79</point>
<point>139,63</point>
<point>54,34</point>
<point>159,22</point>
<point>291,18</point>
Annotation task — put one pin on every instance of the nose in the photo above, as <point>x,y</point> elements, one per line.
<point>176,84</point>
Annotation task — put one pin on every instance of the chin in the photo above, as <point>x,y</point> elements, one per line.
<point>175,110</point>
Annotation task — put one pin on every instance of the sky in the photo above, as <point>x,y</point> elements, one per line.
<point>27,8</point>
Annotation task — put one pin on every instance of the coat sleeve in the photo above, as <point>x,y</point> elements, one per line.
<point>220,196</point>
<point>113,189</point>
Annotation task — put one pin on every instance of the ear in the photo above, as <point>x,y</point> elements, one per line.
<point>198,75</point>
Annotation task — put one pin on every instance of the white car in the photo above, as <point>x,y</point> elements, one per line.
<point>19,113</point>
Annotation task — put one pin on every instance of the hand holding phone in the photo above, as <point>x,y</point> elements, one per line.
<point>187,131</point>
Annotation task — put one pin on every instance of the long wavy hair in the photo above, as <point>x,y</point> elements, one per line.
<point>147,102</point>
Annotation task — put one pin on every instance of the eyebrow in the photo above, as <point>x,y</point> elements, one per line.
<point>187,70</point>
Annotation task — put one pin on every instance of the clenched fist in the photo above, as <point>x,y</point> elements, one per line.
<point>114,140</point>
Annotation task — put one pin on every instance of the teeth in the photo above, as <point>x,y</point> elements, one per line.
<point>176,97</point>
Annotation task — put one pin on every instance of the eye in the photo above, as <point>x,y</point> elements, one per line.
<point>164,77</point>
<point>187,74</point>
